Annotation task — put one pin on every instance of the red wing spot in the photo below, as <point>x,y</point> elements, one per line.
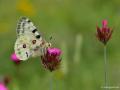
<point>42,43</point>
<point>24,45</point>
<point>34,42</point>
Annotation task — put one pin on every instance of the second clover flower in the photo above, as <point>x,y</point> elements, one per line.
<point>15,59</point>
<point>104,33</point>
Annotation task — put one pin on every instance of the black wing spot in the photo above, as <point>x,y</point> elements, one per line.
<point>28,21</point>
<point>23,18</point>
<point>38,36</point>
<point>27,54</point>
<point>34,30</point>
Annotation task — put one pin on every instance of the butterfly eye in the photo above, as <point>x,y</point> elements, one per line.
<point>24,45</point>
<point>34,41</point>
<point>49,44</point>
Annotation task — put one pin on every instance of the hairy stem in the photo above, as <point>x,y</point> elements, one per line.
<point>105,67</point>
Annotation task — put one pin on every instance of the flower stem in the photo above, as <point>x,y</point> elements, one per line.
<point>105,67</point>
<point>51,81</point>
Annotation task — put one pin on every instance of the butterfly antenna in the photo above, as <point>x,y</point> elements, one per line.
<point>50,38</point>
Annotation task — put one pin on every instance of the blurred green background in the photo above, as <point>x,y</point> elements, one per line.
<point>72,24</point>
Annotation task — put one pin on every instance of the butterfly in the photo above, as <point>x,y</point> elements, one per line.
<point>29,41</point>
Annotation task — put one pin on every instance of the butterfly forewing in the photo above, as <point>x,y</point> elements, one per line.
<point>25,26</point>
<point>29,42</point>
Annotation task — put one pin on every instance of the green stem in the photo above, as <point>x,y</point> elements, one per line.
<point>105,67</point>
<point>51,81</point>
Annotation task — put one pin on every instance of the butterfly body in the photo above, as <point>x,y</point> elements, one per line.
<point>29,41</point>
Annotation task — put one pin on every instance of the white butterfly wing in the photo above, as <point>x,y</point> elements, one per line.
<point>27,34</point>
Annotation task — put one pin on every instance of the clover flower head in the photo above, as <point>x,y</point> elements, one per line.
<point>51,59</point>
<point>104,33</point>
<point>15,59</point>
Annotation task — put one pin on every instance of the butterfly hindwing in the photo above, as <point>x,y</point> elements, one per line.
<point>22,47</point>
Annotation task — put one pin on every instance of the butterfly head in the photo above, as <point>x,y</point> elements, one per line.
<point>48,45</point>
